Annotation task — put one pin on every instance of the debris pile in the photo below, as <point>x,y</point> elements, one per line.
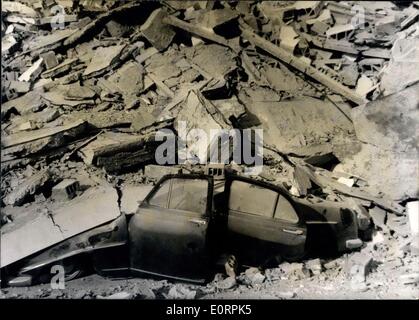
<point>88,85</point>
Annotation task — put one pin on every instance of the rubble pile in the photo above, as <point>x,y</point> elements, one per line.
<point>87,85</point>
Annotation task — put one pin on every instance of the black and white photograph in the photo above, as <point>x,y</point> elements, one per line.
<point>209,150</point>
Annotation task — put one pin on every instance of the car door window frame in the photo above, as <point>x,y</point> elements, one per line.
<point>155,190</point>
<point>253,213</point>
<point>280,194</point>
<point>157,187</point>
<point>232,178</point>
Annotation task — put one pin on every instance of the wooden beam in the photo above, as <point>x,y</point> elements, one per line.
<point>302,66</point>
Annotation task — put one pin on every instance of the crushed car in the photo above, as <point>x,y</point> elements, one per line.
<point>182,228</point>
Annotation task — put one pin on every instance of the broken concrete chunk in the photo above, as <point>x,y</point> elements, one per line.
<point>289,38</point>
<point>398,225</point>
<point>282,81</point>
<point>96,24</point>
<point>388,130</point>
<point>346,181</point>
<point>21,281</point>
<point>315,266</point>
<point>217,17</point>
<point>20,8</point>
<point>293,271</point>
<point>60,69</point>
<point>296,72</point>
<point>181,292</point>
<point>118,150</point>
<point>50,41</point>
<point>378,216</point>
<point>230,107</point>
<point>215,60</point>
<point>47,115</point>
<point>156,172</point>
<point>64,19</point>
<point>57,96</point>
<point>31,185</point>
<point>77,92</point>
<point>103,106</point>
<point>116,29</point>
<point>403,65</point>
<point>17,139</point>
<point>386,25</point>
<point>227,283</point>
<point>14,18</point>
<point>161,85</point>
<point>129,81</point>
<point>156,31</point>
<point>33,72</point>
<point>359,266</point>
<point>301,182</point>
<point>8,44</point>
<point>143,120</point>
<point>254,276</point>
<point>334,264</point>
<point>164,70</point>
<point>146,54</point>
<point>28,125</point>
<point>27,103</point>
<point>49,59</point>
<point>25,143</point>
<point>103,58</point>
<point>322,23</point>
<point>288,124</point>
<point>20,86</point>
<point>96,206</point>
<point>349,74</point>
<point>364,86</point>
<point>65,190</point>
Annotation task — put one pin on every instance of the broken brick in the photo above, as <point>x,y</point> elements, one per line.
<point>49,59</point>
<point>359,265</point>
<point>65,190</point>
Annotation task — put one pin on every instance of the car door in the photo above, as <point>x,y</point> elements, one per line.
<point>168,233</point>
<point>262,223</point>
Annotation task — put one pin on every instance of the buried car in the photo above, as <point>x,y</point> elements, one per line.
<point>182,228</point>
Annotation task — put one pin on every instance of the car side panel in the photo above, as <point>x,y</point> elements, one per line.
<point>171,242</point>
<point>105,244</point>
<point>256,238</point>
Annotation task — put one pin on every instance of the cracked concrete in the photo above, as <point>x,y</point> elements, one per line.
<point>51,216</point>
<point>97,205</point>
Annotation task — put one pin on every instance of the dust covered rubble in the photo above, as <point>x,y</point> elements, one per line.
<point>335,93</point>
